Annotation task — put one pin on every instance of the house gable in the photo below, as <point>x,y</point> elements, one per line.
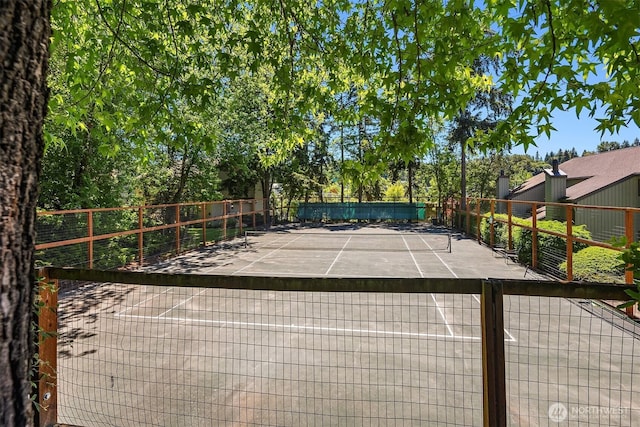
<point>589,174</point>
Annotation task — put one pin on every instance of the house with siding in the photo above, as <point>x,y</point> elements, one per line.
<point>605,179</point>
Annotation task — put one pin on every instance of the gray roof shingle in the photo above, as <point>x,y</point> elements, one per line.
<point>596,171</point>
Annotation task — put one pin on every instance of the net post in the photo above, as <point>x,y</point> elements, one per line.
<point>493,359</point>
<point>47,349</point>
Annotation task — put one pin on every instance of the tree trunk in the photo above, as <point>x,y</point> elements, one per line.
<point>410,179</point>
<point>463,177</point>
<point>24,50</point>
<point>265,182</point>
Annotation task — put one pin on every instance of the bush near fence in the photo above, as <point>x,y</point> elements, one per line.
<point>549,243</point>
<point>596,264</point>
<point>522,237</point>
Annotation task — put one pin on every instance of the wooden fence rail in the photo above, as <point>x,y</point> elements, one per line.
<point>229,209</point>
<point>474,213</point>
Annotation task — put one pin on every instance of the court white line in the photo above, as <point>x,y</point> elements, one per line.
<point>511,338</point>
<point>338,256</point>
<point>413,257</point>
<point>179,304</point>
<point>266,255</point>
<point>143,301</point>
<point>319,275</point>
<point>240,256</point>
<point>436,254</point>
<point>444,319</point>
<point>304,328</point>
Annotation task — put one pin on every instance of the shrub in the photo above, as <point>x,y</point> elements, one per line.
<point>548,244</point>
<point>595,264</point>
<point>394,192</point>
<point>501,229</point>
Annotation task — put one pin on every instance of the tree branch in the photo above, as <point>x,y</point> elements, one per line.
<point>105,64</point>
<point>400,78</point>
<point>116,35</point>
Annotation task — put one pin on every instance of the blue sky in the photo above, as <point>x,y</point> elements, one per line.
<point>579,133</point>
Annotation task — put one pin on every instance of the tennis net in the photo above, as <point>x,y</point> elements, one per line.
<point>342,241</point>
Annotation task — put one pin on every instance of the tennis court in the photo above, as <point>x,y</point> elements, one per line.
<point>174,356</point>
<point>348,251</point>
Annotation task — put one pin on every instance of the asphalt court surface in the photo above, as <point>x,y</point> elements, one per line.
<point>245,357</point>
<point>350,251</point>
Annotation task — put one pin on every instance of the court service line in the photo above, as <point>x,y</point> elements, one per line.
<point>413,257</point>
<point>180,303</point>
<point>511,338</point>
<point>312,275</point>
<point>436,254</point>
<point>143,301</point>
<point>266,255</point>
<point>305,328</point>
<point>444,319</point>
<point>210,269</point>
<point>338,256</point>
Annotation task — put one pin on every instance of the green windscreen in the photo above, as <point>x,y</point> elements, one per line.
<point>370,211</point>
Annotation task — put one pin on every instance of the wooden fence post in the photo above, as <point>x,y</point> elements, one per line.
<point>628,232</point>
<point>140,236</point>
<point>177,229</point>
<point>224,220</point>
<point>240,202</point>
<point>492,227</point>
<point>47,350</point>
<point>569,216</point>
<point>468,217</point>
<point>478,234</point>
<point>510,225</point>
<point>90,235</point>
<point>253,212</point>
<point>534,235</point>
<point>204,224</point>
<point>493,360</point>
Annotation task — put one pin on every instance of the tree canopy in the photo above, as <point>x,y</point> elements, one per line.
<point>132,71</point>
